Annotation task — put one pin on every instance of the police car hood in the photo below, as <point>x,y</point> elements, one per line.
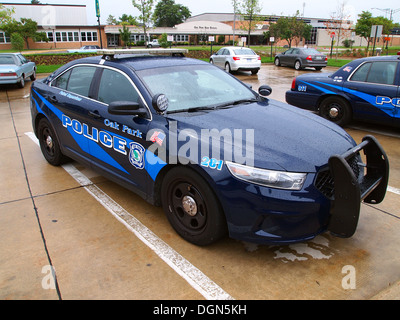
<point>285,137</point>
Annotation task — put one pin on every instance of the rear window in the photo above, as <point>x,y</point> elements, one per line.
<point>244,52</point>
<point>311,51</point>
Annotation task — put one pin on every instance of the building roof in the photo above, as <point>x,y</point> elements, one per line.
<point>49,16</point>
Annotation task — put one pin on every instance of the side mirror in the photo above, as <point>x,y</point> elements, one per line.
<point>265,90</point>
<point>160,103</point>
<point>126,108</point>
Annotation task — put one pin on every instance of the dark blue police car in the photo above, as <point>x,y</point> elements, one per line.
<point>365,89</point>
<point>216,155</point>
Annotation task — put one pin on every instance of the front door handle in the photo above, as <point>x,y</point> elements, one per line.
<point>95,114</point>
<point>53,99</point>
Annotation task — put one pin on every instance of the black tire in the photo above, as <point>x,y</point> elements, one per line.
<point>336,109</point>
<point>254,71</point>
<point>277,62</point>
<point>192,207</point>
<point>33,76</point>
<point>228,68</point>
<point>21,83</point>
<point>297,65</point>
<point>49,144</point>
<point>318,68</point>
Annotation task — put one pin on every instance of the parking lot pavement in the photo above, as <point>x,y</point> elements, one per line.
<point>68,233</point>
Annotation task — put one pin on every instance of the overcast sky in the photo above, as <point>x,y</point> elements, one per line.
<point>312,8</point>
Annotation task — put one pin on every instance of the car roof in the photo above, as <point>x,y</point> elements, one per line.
<point>139,62</point>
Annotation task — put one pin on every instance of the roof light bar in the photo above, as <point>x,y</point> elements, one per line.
<point>110,53</point>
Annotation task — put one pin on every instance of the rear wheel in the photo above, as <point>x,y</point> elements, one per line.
<point>336,109</point>
<point>21,82</point>
<point>297,65</point>
<point>228,67</point>
<point>192,207</point>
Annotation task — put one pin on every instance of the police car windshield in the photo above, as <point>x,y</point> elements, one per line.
<point>194,87</point>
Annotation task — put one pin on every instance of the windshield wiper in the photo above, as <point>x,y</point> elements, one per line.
<point>225,105</point>
<point>235,103</point>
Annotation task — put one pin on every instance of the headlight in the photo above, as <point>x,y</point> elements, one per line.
<point>268,178</point>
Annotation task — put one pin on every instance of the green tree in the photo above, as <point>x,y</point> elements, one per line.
<point>364,25</point>
<point>17,42</point>
<point>145,8</point>
<point>168,14</point>
<point>128,20</point>
<point>125,34</point>
<point>5,15</point>
<point>289,28</point>
<point>27,28</point>
<point>250,9</point>
<point>164,43</point>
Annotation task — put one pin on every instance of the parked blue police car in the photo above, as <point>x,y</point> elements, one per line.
<point>216,155</point>
<point>365,89</point>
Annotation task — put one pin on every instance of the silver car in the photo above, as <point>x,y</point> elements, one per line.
<point>300,58</point>
<point>237,59</point>
<point>15,68</point>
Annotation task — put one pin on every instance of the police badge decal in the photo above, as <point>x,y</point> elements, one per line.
<point>136,155</point>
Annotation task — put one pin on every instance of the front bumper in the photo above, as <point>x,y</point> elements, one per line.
<point>272,216</point>
<point>350,190</point>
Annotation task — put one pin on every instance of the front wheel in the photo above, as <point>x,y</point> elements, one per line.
<point>192,207</point>
<point>277,62</point>
<point>336,109</point>
<point>49,144</point>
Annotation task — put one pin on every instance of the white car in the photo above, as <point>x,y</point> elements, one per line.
<point>15,68</point>
<point>153,44</point>
<point>85,49</point>
<point>237,59</point>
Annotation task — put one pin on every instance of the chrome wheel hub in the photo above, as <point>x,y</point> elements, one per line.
<point>189,205</point>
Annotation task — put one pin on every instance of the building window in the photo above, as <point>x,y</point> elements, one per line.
<point>89,36</point>
<point>4,38</point>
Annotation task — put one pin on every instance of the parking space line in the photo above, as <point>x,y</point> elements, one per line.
<point>393,190</point>
<point>197,279</point>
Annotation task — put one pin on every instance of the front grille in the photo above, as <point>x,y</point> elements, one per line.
<point>325,183</point>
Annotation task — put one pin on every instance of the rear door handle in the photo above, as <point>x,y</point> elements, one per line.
<point>95,114</point>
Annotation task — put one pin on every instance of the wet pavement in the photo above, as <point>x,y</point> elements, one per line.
<point>68,233</point>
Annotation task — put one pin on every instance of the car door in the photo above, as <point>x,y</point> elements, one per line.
<point>118,143</point>
<point>68,98</point>
<point>25,66</point>
<point>217,58</point>
<point>285,57</point>
<point>373,90</point>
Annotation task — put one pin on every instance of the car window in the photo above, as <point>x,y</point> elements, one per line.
<point>290,51</point>
<point>244,51</point>
<point>7,60</point>
<point>361,73</point>
<point>190,86</point>
<point>77,80</point>
<point>382,72</point>
<point>296,51</point>
<point>311,51</point>
<point>114,86</point>
<point>22,59</point>
<point>62,81</point>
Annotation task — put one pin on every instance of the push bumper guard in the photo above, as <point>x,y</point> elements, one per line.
<point>351,190</point>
